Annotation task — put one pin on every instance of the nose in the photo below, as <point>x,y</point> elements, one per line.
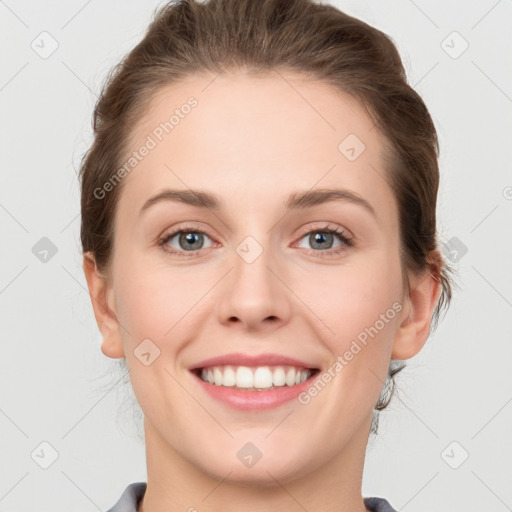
<point>254,294</point>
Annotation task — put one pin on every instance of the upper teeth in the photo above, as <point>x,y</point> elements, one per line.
<point>261,377</point>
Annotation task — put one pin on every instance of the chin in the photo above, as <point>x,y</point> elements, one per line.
<point>271,469</point>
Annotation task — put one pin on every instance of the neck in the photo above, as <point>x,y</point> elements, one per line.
<point>175,484</point>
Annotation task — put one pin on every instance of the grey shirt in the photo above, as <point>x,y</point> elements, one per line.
<point>132,495</point>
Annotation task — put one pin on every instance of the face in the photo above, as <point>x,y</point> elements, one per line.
<point>263,280</point>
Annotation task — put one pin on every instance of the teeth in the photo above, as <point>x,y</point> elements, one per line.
<point>217,375</point>
<point>262,377</point>
<point>244,377</point>
<point>229,377</point>
<point>279,378</point>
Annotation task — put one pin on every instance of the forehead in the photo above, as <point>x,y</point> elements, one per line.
<point>264,135</point>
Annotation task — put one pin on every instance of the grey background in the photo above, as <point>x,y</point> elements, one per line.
<point>55,384</point>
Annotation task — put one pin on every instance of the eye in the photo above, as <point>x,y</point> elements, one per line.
<point>322,240</point>
<point>190,240</point>
<point>183,240</point>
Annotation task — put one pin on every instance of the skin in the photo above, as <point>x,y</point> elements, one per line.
<point>253,140</point>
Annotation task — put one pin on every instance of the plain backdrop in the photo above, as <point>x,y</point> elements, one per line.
<point>445,441</point>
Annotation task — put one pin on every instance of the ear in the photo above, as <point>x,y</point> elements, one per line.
<point>419,306</point>
<point>103,304</point>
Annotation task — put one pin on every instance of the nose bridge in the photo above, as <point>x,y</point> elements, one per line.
<point>256,248</point>
<point>253,260</point>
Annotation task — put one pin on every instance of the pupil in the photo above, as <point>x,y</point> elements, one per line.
<point>319,237</point>
<point>190,238</point>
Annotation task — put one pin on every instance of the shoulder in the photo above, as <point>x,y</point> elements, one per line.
<point>375,504</point>
<point>130,499</point>
<point>132,495</point>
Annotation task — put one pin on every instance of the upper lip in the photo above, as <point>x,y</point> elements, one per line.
<point>237,359</point>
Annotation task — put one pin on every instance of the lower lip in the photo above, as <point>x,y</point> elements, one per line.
<point>254,400</point>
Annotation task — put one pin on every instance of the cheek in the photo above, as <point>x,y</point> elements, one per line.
<point>151,306</point>
<point>353,297</point>
<point>147,302</point>
<point>167,306</point>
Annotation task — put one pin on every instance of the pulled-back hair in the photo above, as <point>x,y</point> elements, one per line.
<point>317,40</point>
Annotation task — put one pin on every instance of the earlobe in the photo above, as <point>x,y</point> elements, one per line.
<point>415,325</point>
<point>103,306</point>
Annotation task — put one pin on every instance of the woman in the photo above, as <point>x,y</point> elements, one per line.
<point>231,143</point>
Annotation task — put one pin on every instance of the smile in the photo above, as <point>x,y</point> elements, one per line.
<point>259,378</point>
<point>254,387</point>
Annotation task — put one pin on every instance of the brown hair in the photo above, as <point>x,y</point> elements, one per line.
<point>315,39</point>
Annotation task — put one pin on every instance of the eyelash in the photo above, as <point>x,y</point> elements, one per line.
<point>347,242</point>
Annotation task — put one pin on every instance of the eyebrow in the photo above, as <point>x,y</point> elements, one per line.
<point>296,200</point>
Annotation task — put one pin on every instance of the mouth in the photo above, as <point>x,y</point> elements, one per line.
<point>250,382</point>
<point>255,378</point>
